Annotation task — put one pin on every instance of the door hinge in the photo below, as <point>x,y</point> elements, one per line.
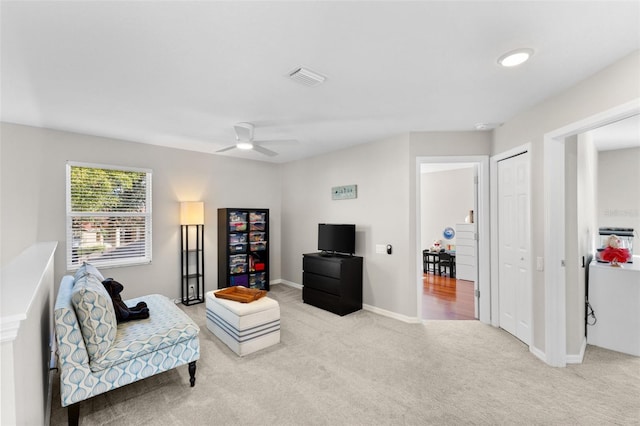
<point>475,236</point>
<point>477,294</point>
<point>562,263</point>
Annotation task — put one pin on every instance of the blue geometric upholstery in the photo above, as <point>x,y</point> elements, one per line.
<point>96,314</point>
<point>141,348</point>
<point>140,337</point>
<point>87,268</point>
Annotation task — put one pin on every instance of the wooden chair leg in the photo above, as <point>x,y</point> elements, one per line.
<point>192,373</point>
<point>73,414</point>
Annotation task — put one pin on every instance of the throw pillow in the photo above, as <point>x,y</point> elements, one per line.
<point>96,315</point>
<point>88,268</point>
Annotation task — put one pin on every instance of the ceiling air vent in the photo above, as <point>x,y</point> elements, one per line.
<point>306,77</point>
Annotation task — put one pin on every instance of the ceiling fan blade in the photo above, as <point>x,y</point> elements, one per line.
<point>279,141</point>
<point>226,149</point>
<point>264,151</point>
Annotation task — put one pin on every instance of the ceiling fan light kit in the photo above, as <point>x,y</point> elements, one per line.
<point>244,145</point>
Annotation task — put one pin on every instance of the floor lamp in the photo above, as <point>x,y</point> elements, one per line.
<point>192,252</point>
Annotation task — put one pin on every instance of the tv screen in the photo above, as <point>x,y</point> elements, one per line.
<point>337,238</point>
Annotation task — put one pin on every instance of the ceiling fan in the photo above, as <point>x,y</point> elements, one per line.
<point>245,141</point>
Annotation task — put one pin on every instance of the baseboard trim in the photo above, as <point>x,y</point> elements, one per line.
<point>383,312</point>
<point>288,283</point>
<point>538,353</point>
<point>389,314</point>
<point>579,357</point>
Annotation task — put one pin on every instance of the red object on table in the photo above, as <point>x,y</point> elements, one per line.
<point>619,255</point>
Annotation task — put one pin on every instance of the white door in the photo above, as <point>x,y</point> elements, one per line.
<point>513,246</point>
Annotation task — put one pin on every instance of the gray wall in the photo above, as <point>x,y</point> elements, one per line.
<point>380,213</point>
<point>384,212</point>
<point>611,87</point>
<point>33,198</point>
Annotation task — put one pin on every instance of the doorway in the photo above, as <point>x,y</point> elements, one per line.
<point>555,312</point>
<point>480,201</point>
<point>449,193</point>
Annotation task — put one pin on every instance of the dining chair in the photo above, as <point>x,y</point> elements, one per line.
<point>430,262</point>
<point>446,264</point>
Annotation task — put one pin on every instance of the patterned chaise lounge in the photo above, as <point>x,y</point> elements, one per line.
<point>96,355</point>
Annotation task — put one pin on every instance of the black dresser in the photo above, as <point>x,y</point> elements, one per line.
<point>333,283</point>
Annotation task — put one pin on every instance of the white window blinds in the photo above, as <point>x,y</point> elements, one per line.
<point>108,215</point>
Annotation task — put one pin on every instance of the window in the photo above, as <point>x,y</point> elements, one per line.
<point>108,215</point>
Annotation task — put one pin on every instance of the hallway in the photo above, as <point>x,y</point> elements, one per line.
<point>445,298</point>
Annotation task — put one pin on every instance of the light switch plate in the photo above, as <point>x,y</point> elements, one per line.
<point>381,248</point>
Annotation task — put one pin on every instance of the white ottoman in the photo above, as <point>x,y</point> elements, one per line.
<point>244,327</point>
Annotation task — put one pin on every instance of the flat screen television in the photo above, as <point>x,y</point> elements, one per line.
<point>336,238</point>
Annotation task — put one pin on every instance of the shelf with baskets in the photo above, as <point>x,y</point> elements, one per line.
<point>243,248</point>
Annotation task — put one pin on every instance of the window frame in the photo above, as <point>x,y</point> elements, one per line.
<point>147,256</point>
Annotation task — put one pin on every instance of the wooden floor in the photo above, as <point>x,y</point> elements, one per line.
<point>445,298</point>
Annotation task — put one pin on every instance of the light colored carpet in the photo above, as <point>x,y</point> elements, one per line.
<point>366,369</point>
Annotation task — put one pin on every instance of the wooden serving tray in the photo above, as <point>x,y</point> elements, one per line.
<point>240,294</point>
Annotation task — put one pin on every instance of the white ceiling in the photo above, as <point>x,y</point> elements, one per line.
<point>182,73</point>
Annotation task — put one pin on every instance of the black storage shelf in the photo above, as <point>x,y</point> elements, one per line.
<point>243,248</point>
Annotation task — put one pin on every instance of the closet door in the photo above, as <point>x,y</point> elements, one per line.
<point>513,246</point>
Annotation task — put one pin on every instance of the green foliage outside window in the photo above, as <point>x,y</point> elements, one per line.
<point>109,215</point>
<point>104,190</point>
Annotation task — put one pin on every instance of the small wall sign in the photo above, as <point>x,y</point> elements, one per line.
<point>344,192</point>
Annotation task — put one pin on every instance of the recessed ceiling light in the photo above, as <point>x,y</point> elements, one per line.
<point>515,57</point>
<point>244,145</point>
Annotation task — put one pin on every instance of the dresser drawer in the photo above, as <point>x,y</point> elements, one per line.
<point>326,267</point>
<point>322,300</point>
<point>321,283</point>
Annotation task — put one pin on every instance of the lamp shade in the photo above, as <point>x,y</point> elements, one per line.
<point>192,213</point>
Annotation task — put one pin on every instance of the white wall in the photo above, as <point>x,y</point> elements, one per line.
<point>585,229</point>
<point>611,87</point>
<point>27,332</point>
<point>580,226</point>
<point>619,191</point>
<point>33,198</point>
<point>446,198</point>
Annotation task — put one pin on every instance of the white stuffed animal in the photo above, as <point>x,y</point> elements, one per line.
<point>437,245</point>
